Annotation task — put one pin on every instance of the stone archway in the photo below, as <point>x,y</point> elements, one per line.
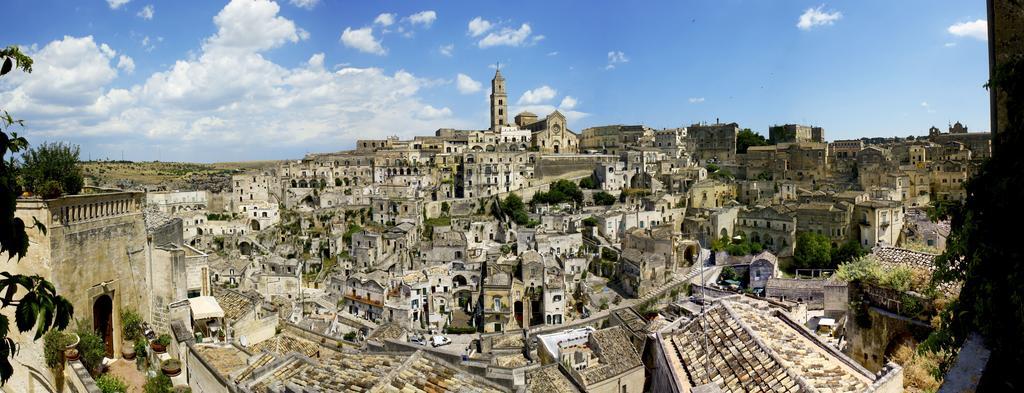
<point>691,253</point>
<point>459,280</point>
<point>254,225</point>
<point>103,322</point>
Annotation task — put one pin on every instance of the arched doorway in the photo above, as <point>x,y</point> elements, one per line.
<point>254,225</point>
<point>103,322</point>
<point>517,307</point>
<point>459,280</point>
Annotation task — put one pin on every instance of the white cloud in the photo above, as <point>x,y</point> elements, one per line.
<point>536,96</point>
<point>509,37</point>
<point>467,85</point>
<point>218,104</point>
<point>542,110</point>
<point>615,58</point>
<point>696,100</point>
<point>115,4</point>
<point>447,50</point>
<point>927,107</point>
<point>949,44</point>
<point>478,26</point>
<point>362,40</point>
<point>568,102</point>
<point>385,19</point>
<point>146,12</point>
<point>813,17</point>
<point>555,53</point>
<point>252,26</point>
<point>126,64</point>
<point>307,4</point>
<point>425,18</point>
<point>977,29</point>
<point>430,113</point>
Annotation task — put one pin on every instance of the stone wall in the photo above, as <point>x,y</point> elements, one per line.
<point>869,345</point>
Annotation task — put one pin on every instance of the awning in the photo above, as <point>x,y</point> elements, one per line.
<point>826,322</point>
<point>204,307</point>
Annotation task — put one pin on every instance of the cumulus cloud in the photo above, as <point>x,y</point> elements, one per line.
<point>536,96</point>
<point>424,18</point>
<point>615,58</point>
<point>225,102</point>
<point>568,102</point>
<point>447,50</point>
<point>247,26</point>
<point>509,37</point>
<point>430,113</point>
<point>362,40</point>
<point>977,29</point>
<point>814,17</point>
<point>478,26</point>
<point>696,100</point>
<point>385,19</point>
<point>467,85</point>
<point>126,64</point>
<point>115,4</point>
<point>146,12</point>
<point>307,4</point>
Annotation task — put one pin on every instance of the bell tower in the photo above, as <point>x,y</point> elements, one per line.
<point>499,101</point>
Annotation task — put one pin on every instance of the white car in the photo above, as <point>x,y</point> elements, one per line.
<point>439,340</point>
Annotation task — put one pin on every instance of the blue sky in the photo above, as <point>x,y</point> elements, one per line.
<point>250,80</point>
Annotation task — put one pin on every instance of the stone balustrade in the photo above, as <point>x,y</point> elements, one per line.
<point>75,209</point>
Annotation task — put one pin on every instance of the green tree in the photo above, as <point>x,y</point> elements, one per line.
<point>588,183</point>
<point>51,170</point>
<point>38,307</point>
<point>813,251</point>
<point>747,138</point>
<point>604,199</point>
<point>560,191</point>
<point>847,252</point>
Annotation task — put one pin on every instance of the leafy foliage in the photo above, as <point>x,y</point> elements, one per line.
<point>39,307</point>
<point>91,347</point>
<point>981,252</point>
<point>813,251</point>
<point>109,383</point>
<point>604,199</point>
<point>589,183</point>
<point>560,191</point>
<point>131,324</point>
<point>159,384</point>
<point>590,222</point>
<point>747,138</point>
<point>514,207</point>
<point>51,170</point>
<point>54,343</point>
<point>728,274</point>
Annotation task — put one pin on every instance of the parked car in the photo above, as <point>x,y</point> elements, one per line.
<point>439,340</point>
<point>418,339</point>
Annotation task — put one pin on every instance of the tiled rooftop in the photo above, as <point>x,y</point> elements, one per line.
<point>284,344</point>
<point>752,349</point>
<point>548,379</point>
<point>423,374</point>
<point>347,373</point>
<point>389,331</point>
<point>225,360</point>
<point>233,303</point>
<point>617,355</point>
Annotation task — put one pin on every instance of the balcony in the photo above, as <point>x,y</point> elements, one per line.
<point>364,299</point>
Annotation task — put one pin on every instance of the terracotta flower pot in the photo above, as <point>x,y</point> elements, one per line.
<point>171,367</point>
<point>71,354</point>
<point>73,340</point>
<point>157,347</point>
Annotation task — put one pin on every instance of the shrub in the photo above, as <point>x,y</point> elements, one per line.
<point>54,343</point>
<point>590,222</point>
<point>109,383</point>
<point>164,339</point>
<point>91,347</point>
<point>604,198</point>
<point>350,336</point>
<point>159,384</point>
<point>52,169</point>
<point>131,324</point>
<point>460,330</point>
<point>588,183</point>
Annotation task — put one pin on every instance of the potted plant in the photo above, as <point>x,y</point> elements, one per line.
<point>160,344</point>
<point>220,334</point>
<point>140,353</point>
<point>131,329</point>
<point>71,341</point>
<point>171,367</point>
<point>71,354</point>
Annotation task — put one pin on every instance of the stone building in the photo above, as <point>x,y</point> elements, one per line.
<point>613,139</point>
<point>880,222</point>
<point>600,361</point>
<point>833,220</point>
<point>773,226</point>
<point>551,134</point>
<point>713,142</point>
<point>790,133</point>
